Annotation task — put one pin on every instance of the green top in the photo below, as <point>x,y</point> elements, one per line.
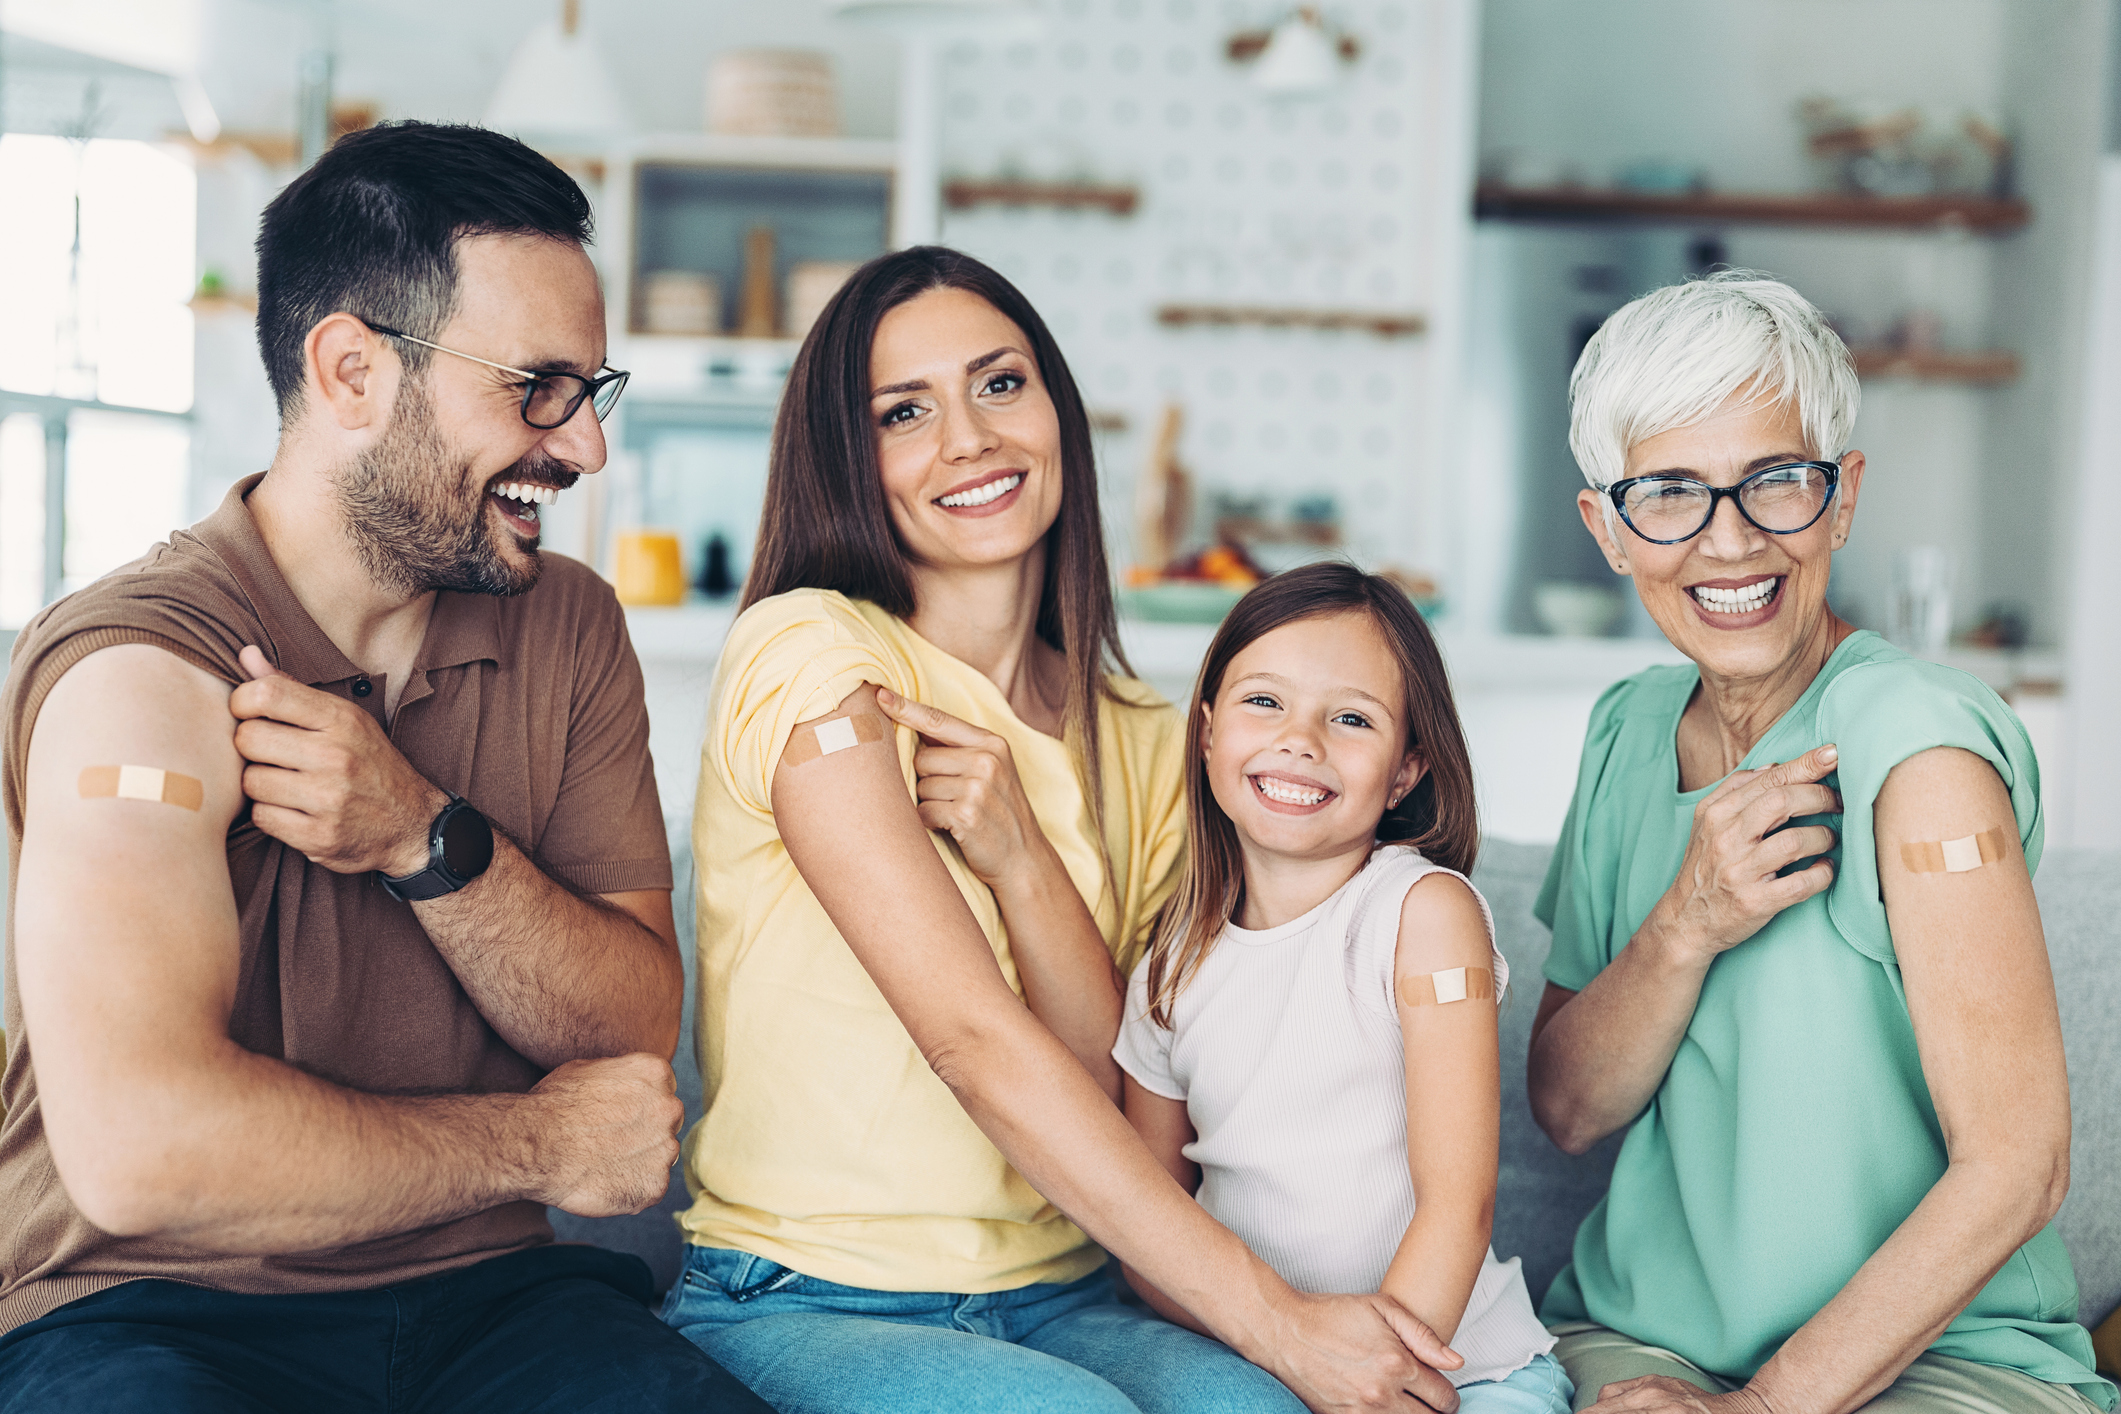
<point>1794,1131</point>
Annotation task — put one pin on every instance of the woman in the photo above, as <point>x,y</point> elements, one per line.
<point>908,938</point>
<point>1834,1046</point>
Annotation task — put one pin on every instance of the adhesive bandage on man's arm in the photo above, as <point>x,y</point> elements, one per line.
<point>808,743</point>
<point>141,783</point>
<point>1452,984</point>
<point>1954,856</point>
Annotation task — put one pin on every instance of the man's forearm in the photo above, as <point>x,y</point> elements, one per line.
<point>267,1159</point>
<point>559,976</point>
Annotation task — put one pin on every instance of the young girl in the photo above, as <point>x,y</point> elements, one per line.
<point>1310,1045</point>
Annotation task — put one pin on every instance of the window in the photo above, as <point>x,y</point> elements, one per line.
<point>95,357</point>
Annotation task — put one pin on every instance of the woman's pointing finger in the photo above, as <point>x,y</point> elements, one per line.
<point>930,722</point>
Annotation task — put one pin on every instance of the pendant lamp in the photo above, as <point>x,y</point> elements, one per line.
<point>556,92</point>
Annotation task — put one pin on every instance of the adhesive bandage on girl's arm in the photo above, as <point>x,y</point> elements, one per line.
<point>1953,856</point>
<point>141,783</point>
<point>808,743</point>
<point>1453,984</point>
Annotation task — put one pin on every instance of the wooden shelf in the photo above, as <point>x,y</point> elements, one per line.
<point>1984,367</point>
<point>1988,215</point>
<point>225,303</point>
<point>962,193</point>
<point>1390,326</point>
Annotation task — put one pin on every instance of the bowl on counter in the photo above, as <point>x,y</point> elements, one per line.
<point>1569,609</point>
<point>1181,601</point>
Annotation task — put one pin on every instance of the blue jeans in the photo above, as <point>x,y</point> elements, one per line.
<point>814,1347</point>
<point>556,1329</point>
<point>1541,1387</point>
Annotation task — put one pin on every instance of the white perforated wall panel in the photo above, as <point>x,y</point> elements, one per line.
<point>1349,201</point>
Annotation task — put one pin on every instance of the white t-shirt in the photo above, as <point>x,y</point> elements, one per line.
<point>1286,1050</point>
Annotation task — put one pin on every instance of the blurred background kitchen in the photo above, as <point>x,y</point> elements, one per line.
<point>1321,272</point>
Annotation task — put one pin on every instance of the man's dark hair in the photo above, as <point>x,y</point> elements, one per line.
<point>372,229</point>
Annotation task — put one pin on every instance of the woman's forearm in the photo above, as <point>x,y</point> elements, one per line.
<point>1161,1304</point>
<point>1080,1152</point>
<point>1067,975</point>
<point>1902,1299</point>
<point>1598,1057</point>
<point>1088,1161</point>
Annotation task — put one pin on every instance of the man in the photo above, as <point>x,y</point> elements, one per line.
<point>322,987</point>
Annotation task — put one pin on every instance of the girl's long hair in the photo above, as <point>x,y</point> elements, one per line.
<point>825,524</point>
<point>1437,817</point>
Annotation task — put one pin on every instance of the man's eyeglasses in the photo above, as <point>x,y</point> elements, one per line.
<point>1781,500</point>
<point>549,399</point>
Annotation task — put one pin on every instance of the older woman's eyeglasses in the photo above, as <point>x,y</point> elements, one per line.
<point>1781,500</point>
<point>549,399</point>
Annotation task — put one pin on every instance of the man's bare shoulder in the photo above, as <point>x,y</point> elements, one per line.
<point>121,714</point>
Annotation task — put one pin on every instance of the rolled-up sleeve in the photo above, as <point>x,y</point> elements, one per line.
<point>788,660</point>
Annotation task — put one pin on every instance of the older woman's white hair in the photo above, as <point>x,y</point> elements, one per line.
<point>1672,357</point>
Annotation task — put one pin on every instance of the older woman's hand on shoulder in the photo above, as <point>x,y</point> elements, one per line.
<point>1592,1073</point>
<point>1732,883</point>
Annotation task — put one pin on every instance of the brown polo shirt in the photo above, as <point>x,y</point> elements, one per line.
<point>529,707</point>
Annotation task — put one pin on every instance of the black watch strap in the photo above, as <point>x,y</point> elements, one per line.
<point>459,847</point>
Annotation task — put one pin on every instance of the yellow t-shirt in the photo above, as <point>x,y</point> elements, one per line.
<point>828,1145</point>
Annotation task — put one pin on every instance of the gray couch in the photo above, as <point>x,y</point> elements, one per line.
<point>1543,1193</point>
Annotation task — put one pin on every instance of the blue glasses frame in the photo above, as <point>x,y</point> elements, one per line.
<point>1618,491</point>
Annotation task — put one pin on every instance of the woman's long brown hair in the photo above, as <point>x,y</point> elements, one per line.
<point>1437,817</point>
<point>825,524</point>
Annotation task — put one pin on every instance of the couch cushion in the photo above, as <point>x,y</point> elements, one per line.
<point>1541,1194</point>
<point>2080,901</point>
<point>653,1235</point>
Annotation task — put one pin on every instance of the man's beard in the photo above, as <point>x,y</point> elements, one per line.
<point>404,506</point>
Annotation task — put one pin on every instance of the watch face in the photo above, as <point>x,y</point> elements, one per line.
<point>467,843</point>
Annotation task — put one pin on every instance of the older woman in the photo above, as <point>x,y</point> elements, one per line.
<point>1796,951</point>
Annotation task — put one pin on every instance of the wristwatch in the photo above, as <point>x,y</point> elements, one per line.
<point>459,847</point>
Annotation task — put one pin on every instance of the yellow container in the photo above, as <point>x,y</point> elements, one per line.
<point>649,569</point>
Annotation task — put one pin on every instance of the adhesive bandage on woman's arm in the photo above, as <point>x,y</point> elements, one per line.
<point>1453,984</point>
<point>1953,856</point>
<point>141,783</point>
<point>834,734</point>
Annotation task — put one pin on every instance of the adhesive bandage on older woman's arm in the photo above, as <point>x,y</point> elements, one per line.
<point>1954,856</point>
<point>809,742</point>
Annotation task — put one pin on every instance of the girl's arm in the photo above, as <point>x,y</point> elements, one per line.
<point>969,788</point>
<point>1165,1129</point>
<point>1454,1106</point>
<point>1982,999</point>
<point>851,831</point>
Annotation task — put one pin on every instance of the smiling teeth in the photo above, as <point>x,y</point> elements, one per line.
<point>1735,601</point>
<point>981,495</point>
<point>522,491</point>
<point>1287,794</point>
